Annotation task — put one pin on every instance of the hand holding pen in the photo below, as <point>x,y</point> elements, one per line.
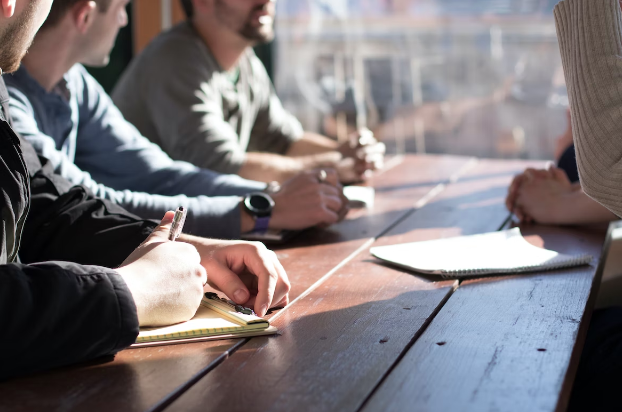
<point>165,278</point>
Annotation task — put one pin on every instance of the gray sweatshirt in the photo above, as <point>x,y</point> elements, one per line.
<point>590,41</point>
<point>178,96</point>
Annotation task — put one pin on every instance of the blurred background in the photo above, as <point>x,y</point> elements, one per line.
<point>467,77</point>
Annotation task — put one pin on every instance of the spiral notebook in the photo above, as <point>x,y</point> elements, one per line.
<point>502,252</point>
<point>216,318</point>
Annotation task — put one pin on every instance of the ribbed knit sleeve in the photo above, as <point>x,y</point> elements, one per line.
<point>590,41</point>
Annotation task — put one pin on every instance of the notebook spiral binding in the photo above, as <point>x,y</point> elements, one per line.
<point>554,264</point>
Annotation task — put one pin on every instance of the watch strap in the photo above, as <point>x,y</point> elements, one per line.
<point>261,224</point>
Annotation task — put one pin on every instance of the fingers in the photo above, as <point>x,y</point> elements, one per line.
<point>283,285</point>
<point>560,175</point>
<point>229,283</point>
<point>161,232</point>
<point>202,273</point>
<point>510,201</point>
<point>8,8</point>
<point>331,176</point>
<point>261,263</point>
<point>249,261</point>
<point>332,198</point>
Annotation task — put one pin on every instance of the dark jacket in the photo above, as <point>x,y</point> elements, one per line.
<point>54,313</point>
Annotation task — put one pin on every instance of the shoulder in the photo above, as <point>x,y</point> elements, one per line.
<point>21,82</point>
<point>255,66</point>
<point>21,90</point>
<point>178,47</point>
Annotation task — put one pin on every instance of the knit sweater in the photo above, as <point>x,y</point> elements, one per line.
<point>590,41</point>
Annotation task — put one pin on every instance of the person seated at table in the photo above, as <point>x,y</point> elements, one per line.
<point>554,195</point>
<point>589,41</point>
<point>62,110</point>
<point>72,306</point>
<point>199,92</point>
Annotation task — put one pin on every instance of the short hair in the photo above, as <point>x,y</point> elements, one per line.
<point>60,7</point>
<point>188,8</point>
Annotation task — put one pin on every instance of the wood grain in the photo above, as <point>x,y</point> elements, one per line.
<point>146,22</point>
<point>316,252</point>
<point>500,344</point>
<point>137,379</point>
<point>140,379</point>
<point>340,341</point>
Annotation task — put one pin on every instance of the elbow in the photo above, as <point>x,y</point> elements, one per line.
<point>612,200</point>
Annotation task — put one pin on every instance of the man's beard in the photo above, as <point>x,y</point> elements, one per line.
<point>15,40</point>
<point>264,33</point>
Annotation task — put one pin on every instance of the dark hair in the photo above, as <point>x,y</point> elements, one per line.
<point>188,8</point>
<point>60,7</point>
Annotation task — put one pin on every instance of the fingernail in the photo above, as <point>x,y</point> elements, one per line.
<point>239,296</point>
<point>263,310</point>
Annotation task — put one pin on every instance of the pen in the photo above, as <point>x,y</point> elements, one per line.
<point>178,223</point>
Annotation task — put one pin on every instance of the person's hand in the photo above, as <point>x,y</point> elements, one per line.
<point>542,196</point>
<point>311,198</point>
<point>247,272</point>
<point>527,175</point>
<point>361,153</point>
<point>166,278</point>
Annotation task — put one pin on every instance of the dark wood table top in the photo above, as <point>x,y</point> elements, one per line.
<point>360,335</point>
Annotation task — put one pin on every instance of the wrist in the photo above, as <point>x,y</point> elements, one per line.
<point>328,159</point>
<point>258,206</point>
<point>247,223</point>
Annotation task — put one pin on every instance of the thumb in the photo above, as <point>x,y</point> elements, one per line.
<point>161,232</point>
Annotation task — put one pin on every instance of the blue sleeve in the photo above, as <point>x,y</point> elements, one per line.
<point>120,157</point>
<point>217,217</point>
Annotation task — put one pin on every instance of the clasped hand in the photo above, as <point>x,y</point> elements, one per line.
<point>361,153</point>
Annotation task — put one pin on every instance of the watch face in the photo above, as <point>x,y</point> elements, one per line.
<point>260,204</point>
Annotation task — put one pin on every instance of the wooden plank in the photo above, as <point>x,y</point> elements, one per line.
<point>137,379</point>
<point>178,12</point>
<point>141,379</point>
<point>339,341</point>
<point>316,252</point>
<point>146,22</point>
<point>503,343</point>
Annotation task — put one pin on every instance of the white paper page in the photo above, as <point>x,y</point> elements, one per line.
<point>360,196</point>
<point>497,251</point>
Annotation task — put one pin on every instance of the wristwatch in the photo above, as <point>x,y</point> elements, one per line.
<point>259,205</point>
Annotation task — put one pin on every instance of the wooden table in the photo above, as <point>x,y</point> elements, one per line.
<point>363,336</point>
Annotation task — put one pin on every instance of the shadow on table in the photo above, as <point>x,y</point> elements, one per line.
<point>131,380</point>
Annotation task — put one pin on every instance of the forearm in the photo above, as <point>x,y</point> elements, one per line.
<point>311,144</point>
<point>217,217</point>
<point>590,45</point>
<point>579,209</point>
<point>267,167</point>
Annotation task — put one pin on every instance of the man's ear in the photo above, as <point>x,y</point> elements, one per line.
<point>83,14</point>
<point>202,6</point>
<point>8,8</point>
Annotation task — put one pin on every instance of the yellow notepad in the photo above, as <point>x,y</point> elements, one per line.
<point>215,319</point>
